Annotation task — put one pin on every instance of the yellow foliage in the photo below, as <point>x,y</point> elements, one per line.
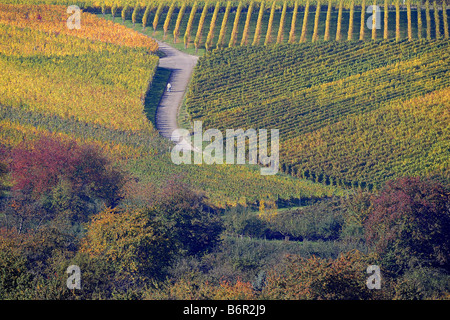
<point>53,19</point>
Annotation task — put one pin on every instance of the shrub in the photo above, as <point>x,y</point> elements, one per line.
<point>53,177</point>
<point>410,224</point>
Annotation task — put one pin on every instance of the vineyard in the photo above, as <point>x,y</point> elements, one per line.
<point>211,25</point>
<point>304,90</point>
<point>92,89</point>
<point>89,185</point>
<point>201,25</point>
<point>74,77</point>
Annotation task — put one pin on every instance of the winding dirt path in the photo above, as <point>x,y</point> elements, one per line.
<point>182,66</point>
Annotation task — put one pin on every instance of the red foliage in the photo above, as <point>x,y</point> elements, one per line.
<point>411,218</point>
<point>38,166</point>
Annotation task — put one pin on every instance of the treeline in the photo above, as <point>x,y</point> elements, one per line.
<point>177,247</point>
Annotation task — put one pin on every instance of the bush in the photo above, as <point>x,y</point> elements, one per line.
<point>409,225</point>
<point>241,221</point>
<point>54,178</point>
<point>320,221</point>
<point>321,279</point>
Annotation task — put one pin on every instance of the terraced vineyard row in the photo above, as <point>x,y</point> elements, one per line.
<point>207,25</point>
<point>217,24</point>
<point>406,138</point>
<point>300,89</point>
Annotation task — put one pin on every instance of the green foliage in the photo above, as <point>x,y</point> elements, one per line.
<point>3,177</point>
<point>320,221</point>
<point>14,276</point>
<point>422,284</point>
<point>132,241</point>
<point>244,222</point>
<point>193,226</point>
<point>322,279</point>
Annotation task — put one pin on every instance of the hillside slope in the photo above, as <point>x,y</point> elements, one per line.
<point>303,89</point>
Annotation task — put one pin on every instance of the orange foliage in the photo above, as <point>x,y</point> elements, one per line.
<point>239,291</point>
<point>53,19</point>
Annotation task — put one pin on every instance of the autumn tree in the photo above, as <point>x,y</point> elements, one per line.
<point>142,243</point>
<point>132,241</point>
<point>54,177</point>
<point>34,260</point>
<point>315,278</point>
<point>409,225</point>
<point>194,226</point>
